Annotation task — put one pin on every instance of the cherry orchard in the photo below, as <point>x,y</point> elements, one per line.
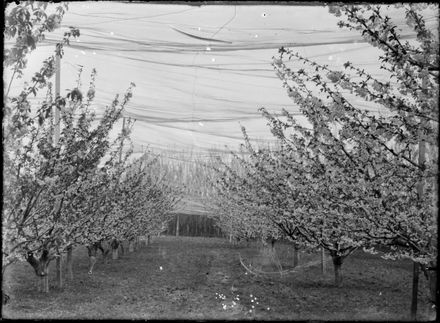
<point>74,190</point>
<point>375,164</point>
<point>353,178</point>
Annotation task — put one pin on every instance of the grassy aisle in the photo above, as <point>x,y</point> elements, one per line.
<point>201,278</point>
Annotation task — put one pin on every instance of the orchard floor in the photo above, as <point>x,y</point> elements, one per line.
<point>202,278</point>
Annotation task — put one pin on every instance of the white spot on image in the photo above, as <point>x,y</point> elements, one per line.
<point>112,33</point>
<point>161,268</point>
<point>213,59</point>
<point>83,52</point>
<point>200,124</point>
<point>264,15</point>
<point>208,48</point>
<point>94,53</point>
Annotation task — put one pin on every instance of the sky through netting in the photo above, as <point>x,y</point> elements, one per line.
<point>200,72</point>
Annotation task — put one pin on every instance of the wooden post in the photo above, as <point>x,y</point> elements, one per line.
<point>56,138</point>
<point>415,290</point>
<point>122,143</point>
<point>416,270</point>
<point>56,110</point>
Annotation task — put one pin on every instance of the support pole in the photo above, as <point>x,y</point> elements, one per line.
<point>122,142</point>
<point>56,109</point>
<point>56,138</point>
<point>420,187</point>
<point>415,290</point>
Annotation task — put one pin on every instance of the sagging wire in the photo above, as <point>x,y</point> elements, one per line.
<point>208,48</point>
<point>129,19</point>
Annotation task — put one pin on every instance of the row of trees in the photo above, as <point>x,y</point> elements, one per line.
<point>350,178</point>
<point>70,183</point>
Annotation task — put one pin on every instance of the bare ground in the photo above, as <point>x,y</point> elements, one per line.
<point>202,278</point>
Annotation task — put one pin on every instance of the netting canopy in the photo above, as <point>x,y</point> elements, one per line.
<point>200,71</point>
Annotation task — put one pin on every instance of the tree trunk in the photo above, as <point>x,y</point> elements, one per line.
<point>121,245</point>
<point>415,290</point>
<point>92,262</point>
<point>69,263</point>
<point>148,240</point>
<point>322,261</point>
<point>115,246</point>
<point>41,284</point>
<point>130,246</point>
<point>45,278</point>
<point>295,255</point>
<point>41,267</point>
<point>59,269</point>
<point>337,264</point>
<point>114,254</point>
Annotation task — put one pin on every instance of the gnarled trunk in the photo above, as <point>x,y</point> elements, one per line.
<point>41,267</point>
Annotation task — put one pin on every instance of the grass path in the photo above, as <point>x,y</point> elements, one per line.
<point>200,278</point>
